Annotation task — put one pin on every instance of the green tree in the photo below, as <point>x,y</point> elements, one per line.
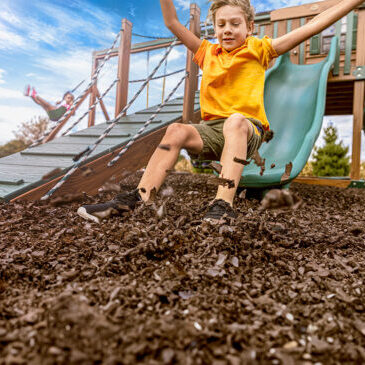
<point>331,159</point>
<point>26,134</point>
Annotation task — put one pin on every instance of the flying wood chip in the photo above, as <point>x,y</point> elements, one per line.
<point>262,167</point>
<point>242,162</point>
<point>87,171</point>
<point>259,162</point>
<point>109,187</point>
<point>153,194</point>
<point>286,174</point>
<point>216,167</point>
<point>52,173</point>
<point>66,199</point>
<point>165,147</point>
<point>222,181</point>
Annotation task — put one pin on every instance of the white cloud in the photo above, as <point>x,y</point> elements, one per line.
<point>8,16</point>
<point>183,4</point>
<point>6,93</point>
<point>74,65</point>
<point>2,73</point>
<point>10,40</point>
<point>11,118</point>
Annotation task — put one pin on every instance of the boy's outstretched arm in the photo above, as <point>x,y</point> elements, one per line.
<point>189,39</point>
<point>316,25</point>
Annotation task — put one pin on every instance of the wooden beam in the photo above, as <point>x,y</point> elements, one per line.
<point>191,82</point>
<point>123,66</point>
<point>305,10</point>
<point>311,180</point>
<point>136,157</point>
<point>53,134</point>
<point>102,105</point>
<point>91,120</point>
<point>359,96</point>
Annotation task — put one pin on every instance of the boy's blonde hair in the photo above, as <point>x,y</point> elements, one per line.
<point>245,5</point>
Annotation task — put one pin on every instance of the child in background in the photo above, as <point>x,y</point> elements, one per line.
<point>55,113</point>
<point>234,123</point>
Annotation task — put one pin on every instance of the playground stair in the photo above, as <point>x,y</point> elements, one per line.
<point>21,174</point>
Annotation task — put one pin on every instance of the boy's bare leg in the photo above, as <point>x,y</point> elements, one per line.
<point>177,136</point>
<point>237,130</point>
<point>43,103</point>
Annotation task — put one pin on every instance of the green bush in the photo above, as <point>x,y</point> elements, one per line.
<point>331,159</point>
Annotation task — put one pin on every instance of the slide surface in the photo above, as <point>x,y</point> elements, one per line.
<point>295,97</point>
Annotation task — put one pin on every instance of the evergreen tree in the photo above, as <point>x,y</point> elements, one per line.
<point>331,159</point>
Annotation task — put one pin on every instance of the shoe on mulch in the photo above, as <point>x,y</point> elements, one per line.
<point>219,210</point>
<point>122,203</point>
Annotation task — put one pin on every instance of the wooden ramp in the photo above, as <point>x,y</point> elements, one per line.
<point>21,174</point>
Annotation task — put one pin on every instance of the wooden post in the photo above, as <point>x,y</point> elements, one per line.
<point>102,105</point>
<point>359,95</point>
<point>191,82</point>
<point>91,120</point>
<point>123,66</point>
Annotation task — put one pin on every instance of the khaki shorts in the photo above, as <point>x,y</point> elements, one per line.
<point>211,132</point>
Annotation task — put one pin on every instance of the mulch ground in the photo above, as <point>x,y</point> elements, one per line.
<point>159,287</point>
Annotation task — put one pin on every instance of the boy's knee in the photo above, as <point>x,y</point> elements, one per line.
<point>236,123</point>
<point>176,133</point>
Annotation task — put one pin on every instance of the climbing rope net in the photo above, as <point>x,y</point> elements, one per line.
<point>83,156</point>
<point>77,100</point>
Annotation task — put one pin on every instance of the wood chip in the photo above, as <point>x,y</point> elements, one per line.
<point>165,147</point>
<point>153,194</point>
<point>87,171</point>
<point>52,173</point>
<point>286,175</point>
<point>222,181</point>
<point>242,162</point>
<point>216,167</point>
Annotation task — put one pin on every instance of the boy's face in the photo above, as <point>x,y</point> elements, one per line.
<point>231,28</point>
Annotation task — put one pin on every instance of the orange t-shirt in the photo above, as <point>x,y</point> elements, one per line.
<point>233,82</point>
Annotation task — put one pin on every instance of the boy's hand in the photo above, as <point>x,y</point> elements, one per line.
<point>189,39</point>
<point>316,25</point>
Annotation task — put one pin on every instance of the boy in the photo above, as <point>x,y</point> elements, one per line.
<point>234,121</point>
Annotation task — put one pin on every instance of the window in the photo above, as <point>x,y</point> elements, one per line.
<point>328,34</point>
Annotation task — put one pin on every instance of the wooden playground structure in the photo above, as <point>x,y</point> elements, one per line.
<point>345,89</point>
<point>346,84</point>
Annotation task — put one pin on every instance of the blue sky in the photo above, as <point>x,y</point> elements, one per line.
<point>49,45</point>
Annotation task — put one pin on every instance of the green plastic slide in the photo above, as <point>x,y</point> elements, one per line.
<point>295,97</point>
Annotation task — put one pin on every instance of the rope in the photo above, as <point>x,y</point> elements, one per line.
<point>149,121</point>
<point>149,37</point>
<point>77,86</point>
<point>86,153</point>
<point>148,84</point>
<point>92,82</point>
<point>91,107</point>
<point>164,82</point>
<point>159,77</point>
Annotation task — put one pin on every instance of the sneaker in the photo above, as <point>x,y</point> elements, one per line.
<point>27,90</point>
<point>218,210</point>
<point>122,203</point>
<point>34,93</point>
